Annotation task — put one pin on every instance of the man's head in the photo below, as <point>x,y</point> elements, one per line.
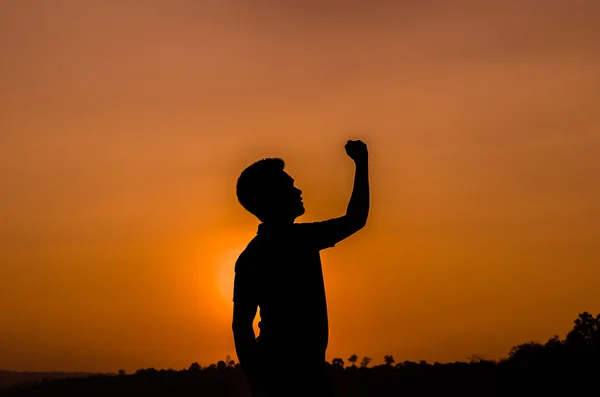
<point>268,192</point>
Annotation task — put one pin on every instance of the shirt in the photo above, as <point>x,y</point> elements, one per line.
<point>280,271</point>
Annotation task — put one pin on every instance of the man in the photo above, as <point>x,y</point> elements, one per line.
<point>280,273</point>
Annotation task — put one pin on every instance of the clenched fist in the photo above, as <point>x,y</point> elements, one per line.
<point>357,151</point>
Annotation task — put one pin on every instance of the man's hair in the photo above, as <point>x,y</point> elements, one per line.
<point>256,182</point>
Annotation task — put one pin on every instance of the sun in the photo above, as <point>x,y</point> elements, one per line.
<point>225,273</point>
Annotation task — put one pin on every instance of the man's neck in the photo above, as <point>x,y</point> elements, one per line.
<point>278,223</point>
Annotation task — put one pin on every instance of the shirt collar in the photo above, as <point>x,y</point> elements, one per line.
<point>266,228</point>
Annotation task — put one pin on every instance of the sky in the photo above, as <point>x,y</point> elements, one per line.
<point>124,125</point>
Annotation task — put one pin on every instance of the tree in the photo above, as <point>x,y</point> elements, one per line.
<point>476,358</point>
<point>146,371</point>
<point>555,346</point>
<point>195,367</point>
<point>122,372</point>
<point>353,359</point>
<point>585,333</point>
<point>229,361</point>
<point>389,360</point>
<point>553,342</point>
<point>527,354</point>
<point>365,362</point>
<point>221,365</point>
<point>338,362</point>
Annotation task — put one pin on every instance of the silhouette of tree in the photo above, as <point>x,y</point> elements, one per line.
<point>353,359</point>
<point>585,333</point>
<point>524,349</point>
<point>122,372</point>
<point>221,365</point>
<point>532,368</point>
<point>195,367</point>
<point>527,354</point>
<point>554,341</point>
<point>555,346</point>
<point>389,360</point>
<point>475,358</point>
<point>365,362</point>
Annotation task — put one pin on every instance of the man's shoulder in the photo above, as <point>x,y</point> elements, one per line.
<point>308,226</point>
<point>307,230</point>
<point>249,257</point>
<point>303,228</point>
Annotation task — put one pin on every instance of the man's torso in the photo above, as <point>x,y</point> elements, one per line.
<point>290,290</point>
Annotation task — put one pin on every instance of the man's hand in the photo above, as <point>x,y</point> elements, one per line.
<point>357,151</point>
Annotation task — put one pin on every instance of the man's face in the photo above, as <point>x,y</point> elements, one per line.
<point>288,198</point>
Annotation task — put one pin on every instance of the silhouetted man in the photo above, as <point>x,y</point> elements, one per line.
<point>280,272</point>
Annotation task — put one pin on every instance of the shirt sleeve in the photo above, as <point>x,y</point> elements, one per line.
<point>244,285</point>
<point>324,234</point>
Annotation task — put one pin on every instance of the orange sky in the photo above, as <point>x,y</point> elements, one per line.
<point>124,124</point>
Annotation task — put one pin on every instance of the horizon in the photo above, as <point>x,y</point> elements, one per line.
<point>473,358</point>
<point>125,127</point>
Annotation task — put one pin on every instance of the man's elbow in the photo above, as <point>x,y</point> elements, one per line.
<point>361,223</point>
<point>357,220</point>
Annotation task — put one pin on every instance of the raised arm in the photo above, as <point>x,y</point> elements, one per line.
<point>327,233</point>
<point>358,207</point>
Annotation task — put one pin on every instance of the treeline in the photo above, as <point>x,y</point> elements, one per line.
<point>558,366</point>
<point>10,378</point>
